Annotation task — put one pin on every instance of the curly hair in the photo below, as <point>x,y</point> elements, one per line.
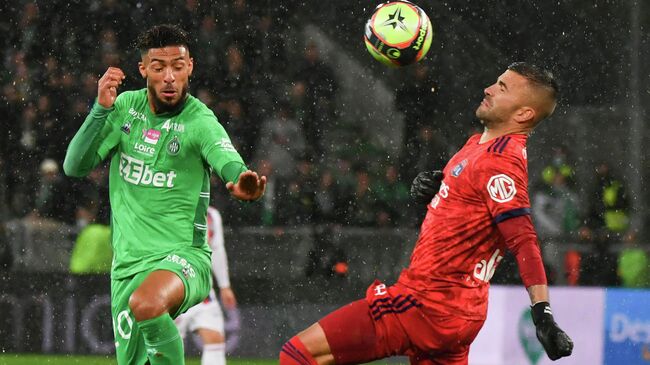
<point>161,36</point>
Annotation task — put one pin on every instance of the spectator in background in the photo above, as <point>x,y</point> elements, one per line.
<point>607,222</point>
<point>556,215</point>
<point>92,252</point>
<point>611,207</point>
<point>633,263</point>
<point>414,100</point>
<point>327,198</point>
<point>297,196</point>
<point>93,198</point>
<point>393,198</point>
<point>361,205</point>
<point>320,87</point>
<point>281,142</point>
<point>431,154</point>
<point>52,194</point>
<point>12,169</point>
<point>208,39</point>
<point>6,256</point>
<point>235,119</point>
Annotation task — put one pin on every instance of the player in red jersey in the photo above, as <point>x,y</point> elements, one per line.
<point>480,209</point>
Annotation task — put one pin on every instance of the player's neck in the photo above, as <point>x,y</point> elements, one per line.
<point>492,133</point>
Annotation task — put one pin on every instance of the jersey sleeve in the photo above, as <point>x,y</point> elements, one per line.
<point>217,149</point>
<point>216,240</point>
<point>94,140</point>
<point>503,185</point>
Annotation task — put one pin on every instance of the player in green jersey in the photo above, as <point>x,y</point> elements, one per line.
<point>163,144</point>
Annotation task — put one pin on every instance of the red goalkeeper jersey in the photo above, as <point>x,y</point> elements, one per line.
<point>460,246</point>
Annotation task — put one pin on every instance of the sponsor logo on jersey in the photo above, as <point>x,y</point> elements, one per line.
<point>151,136</point>
<point>173,126</point>
<point>443,192</point>
<point>126,128</point>
<point>173,146</point>
<point>459,168</point>
<point>485,270</point>
<point>137,115</point>
<point>226,145</point>
<point>187,269</point>
<point>501,188</point>
<point>380,289</point>
<point>136,172</point>
<point>144,149</point>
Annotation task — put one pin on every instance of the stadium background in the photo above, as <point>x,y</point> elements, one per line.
<point>340,135</point>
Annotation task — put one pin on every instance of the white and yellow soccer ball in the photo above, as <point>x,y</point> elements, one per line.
<point>398,33</point>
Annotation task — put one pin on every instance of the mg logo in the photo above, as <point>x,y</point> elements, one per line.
<point>501,188</point>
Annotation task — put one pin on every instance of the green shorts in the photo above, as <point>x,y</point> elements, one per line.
<point>191,264</point>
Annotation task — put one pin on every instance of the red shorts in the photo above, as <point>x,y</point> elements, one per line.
<point>392,321</point>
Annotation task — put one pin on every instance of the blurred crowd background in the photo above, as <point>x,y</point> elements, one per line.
<point>278,76</point>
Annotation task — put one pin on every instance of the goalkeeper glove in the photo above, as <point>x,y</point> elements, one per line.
<point>556,343</point>
<point>426,185</point>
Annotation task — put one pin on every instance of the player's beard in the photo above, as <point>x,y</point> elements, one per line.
<point>482,116</point>
<point>162,106</point>
<point>487,117</point>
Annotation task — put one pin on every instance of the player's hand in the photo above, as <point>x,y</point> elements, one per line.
<point>426,185</point>
<point>249,187</point>
<point>228,298</point>
<point>556,343</point>
<point>107,86</point>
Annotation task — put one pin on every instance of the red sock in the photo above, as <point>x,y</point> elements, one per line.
<point>294,353</point>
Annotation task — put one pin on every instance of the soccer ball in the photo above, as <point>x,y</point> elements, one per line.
<point>398,33</point>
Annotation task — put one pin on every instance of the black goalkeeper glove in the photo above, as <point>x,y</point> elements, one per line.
<point>556,343</point>
<point>426,185</point>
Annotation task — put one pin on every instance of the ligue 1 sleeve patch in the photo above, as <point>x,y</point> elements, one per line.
<point>501,188</point>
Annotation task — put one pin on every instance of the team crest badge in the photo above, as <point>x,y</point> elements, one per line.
<point>173,146</point>
<point>459,168</point>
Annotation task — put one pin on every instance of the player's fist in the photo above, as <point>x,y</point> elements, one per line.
<point>107,86</point>
<point>556,342</point>
<point>426,185</point>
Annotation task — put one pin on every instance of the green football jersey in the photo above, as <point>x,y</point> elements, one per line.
<point>159,177</point>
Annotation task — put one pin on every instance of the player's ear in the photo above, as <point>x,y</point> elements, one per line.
<point>143,69</point>
<point>190,66</point>
<point>525,114</point>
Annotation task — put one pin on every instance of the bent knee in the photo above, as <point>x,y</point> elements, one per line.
<point>145,308</point>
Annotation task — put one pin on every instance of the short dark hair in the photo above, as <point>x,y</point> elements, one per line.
<point>538,76</point>
<point>160,36</point>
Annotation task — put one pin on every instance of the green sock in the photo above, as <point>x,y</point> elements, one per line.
<point>162,340</point>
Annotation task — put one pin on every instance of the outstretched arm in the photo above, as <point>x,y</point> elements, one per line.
<point>522,241</point>
<point>249,186</point>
